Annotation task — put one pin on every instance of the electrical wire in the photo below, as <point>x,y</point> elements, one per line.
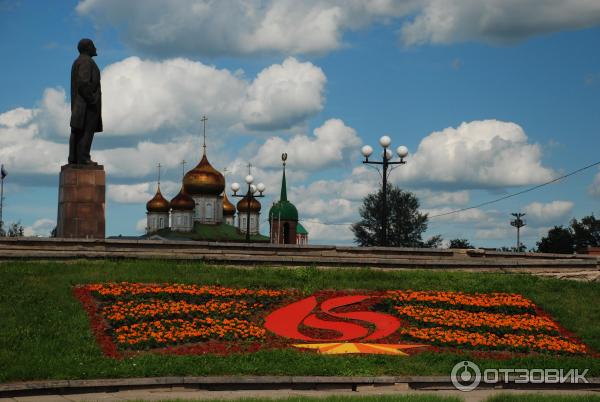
<point>527,190</point>
<point>456,211</point>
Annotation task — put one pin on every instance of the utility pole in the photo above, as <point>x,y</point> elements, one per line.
<point>518,223</point>
<point>2,176</point>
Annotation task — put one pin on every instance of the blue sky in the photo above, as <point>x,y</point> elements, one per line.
<point>491,97</point>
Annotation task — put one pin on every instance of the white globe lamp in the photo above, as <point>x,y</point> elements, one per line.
<point>385,141</point>
<point>402,151</point>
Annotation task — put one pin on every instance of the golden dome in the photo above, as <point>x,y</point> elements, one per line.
<point>228,207</point>
<point>242,205</point>
<point>182,201</point>
<point>204,179</point>
<point>158,203</point>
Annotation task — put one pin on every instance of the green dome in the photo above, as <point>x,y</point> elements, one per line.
<point>284,210</point>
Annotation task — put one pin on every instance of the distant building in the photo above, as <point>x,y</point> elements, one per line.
<point>201,209</point>
<point>301,234</point>
<point>228,211</point>
<point>205,185</point>
<point>157,215</point>
<point>283,219</point>
<point>182,212</point>
<point>243,206</point>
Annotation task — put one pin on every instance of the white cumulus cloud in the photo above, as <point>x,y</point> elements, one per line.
<point>41,227</point>
<point>496,21</point>
<point>323,233</point>
<point>555,212</point>
<point>185,27</point>
<point>202,27</point>
<point>142,96</point>
<point>477,154</point>
<point>283,95</point>
<point>140,192</point>
<point>332,144</point>
<point>594,188</point>
<point>55,113</point>
<point>22,147</point>
<point>431,198</point>
<point>336,209</point>
<point>145,97</point>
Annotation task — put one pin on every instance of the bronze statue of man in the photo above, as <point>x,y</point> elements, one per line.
<point>86,104</point>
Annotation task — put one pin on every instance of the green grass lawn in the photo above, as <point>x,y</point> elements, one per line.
<point>45,334</point>
<point>378,398</point>
<point>421,398</point>
<point>543,398</point>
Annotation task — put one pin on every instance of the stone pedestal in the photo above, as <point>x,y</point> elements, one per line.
<point>81,196</point>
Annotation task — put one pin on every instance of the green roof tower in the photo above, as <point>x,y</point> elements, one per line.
<point>283,215</point>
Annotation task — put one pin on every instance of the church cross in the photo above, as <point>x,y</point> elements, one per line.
<point>159,166</point>
<point>203,120</point>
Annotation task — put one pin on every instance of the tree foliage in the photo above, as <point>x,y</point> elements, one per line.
<point>578,236</point>
<point>405,223</point>
<point>460,243</point>
<point>586,233</point>
<point>15,229</point>
<point>558,240</point>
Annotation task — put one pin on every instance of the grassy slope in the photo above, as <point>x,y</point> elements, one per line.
<point>44,332</point>
<point>222,232</point>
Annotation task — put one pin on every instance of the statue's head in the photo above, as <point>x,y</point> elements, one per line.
<point>86,46</point>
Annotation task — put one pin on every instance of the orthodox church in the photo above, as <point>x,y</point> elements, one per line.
<point>202,211</point>
<point>202,208</point>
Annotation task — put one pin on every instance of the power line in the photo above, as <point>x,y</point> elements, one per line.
<point>527,190</point>
<point>517,193</point>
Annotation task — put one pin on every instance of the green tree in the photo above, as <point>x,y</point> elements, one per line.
<point>433,242</point>
<point>15,230</point>
<point>558,240</point>
<point>405,224</point>
<point>586,233</point>
<point>460,243</point>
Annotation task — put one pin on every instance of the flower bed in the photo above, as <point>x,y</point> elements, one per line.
<point>495,321</point>
<point>136,316</point>
<point>176,318</point>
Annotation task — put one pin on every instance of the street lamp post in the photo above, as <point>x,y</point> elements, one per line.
<point>386,157</point>
<point>250,194</point>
